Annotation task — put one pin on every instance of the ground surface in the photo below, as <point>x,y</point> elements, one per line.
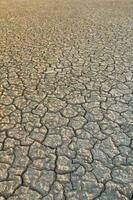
<point>66,99</point>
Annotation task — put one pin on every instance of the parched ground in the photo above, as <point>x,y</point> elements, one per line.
<point>66,99</point>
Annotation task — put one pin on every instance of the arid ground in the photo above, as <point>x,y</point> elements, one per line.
<point>66,99</point>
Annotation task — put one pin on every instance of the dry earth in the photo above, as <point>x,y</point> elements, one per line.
<point>66,99</point>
